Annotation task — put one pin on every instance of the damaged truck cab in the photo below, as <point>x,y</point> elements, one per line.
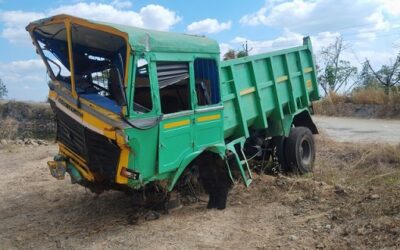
<point>135,106</point>
<point>132,105</point>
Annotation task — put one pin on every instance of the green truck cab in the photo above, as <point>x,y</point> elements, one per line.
<point>136,106</point>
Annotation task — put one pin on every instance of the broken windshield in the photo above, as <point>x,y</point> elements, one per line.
<point>99,60</point>
<point>52,40</point>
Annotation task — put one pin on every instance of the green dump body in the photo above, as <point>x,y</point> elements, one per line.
<point>264,90</point>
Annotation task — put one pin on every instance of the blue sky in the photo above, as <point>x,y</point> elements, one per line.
<point>371,27</point>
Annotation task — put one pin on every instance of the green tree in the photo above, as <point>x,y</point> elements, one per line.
<point>3,89</point>
<point>230,54</point>
<point>241,53</point>
<point>335,73</point>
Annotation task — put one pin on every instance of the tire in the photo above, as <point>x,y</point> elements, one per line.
<point>278,154</point>
<point>300,150</point>
<point>215,179</point>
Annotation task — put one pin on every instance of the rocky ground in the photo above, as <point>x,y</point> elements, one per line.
<point>350,202</point>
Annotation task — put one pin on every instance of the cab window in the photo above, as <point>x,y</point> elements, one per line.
<point>207,82</point>
<point>142,101</point>
<point>174,86</point>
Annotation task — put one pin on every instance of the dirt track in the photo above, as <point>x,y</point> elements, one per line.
<point>359,129</point>
<point>39,212</point>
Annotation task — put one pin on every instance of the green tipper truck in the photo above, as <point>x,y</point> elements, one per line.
<point>138,108</point>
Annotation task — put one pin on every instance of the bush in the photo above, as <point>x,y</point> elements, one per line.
<point>26,120</point>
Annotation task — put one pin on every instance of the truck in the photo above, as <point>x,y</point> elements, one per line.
<point>138,108</point>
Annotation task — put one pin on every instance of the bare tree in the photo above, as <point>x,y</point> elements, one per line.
<point>366,78</point>
<point>333,72</point>
<point>3,89</point>
<point>245,50</point>
<point>389,75</point>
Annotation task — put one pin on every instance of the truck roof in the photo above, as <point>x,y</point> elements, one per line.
<point>145,39</point>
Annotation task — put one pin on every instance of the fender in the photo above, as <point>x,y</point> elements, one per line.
<point>301,118</point>
<point>217,148</point>
<point>304,119</point>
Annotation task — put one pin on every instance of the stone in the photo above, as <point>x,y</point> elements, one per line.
<point>374,196</point>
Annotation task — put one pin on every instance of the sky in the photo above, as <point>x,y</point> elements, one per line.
<point>370,27</point>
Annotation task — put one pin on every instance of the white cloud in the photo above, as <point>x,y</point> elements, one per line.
<point>158,17</point>
<point>392,7</point>
<point>360,22</point>
<point>150,16</point>
<point>25,80</point>
<point>379,24</point>
<point>22,65</point>
<point>323,39</point>
<point>121,4</point>
<point>14,24</point>
<point>208,25</point>
<point>224,47</point>
<point>286,40</point>
<point>271,15</point>
<point>377,58</point>
<point>312,17</point>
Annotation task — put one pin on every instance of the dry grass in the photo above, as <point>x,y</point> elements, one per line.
<point>355,188</point>
<point>357,165</point>
<point>369,174</point>
<point>335,98</point>
<point>394,97</point>
<point>8,128</point>
<point>363,103</point>
<point>369,96</point>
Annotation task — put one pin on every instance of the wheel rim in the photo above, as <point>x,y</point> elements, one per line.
<point>305,152</point>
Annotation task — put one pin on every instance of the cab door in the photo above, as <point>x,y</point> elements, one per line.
<point>176,126</point>
<point>208,122</point>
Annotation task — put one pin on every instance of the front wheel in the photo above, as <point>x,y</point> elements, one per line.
<point>300,150</point>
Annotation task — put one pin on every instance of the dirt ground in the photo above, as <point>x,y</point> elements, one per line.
<point>350,202</point>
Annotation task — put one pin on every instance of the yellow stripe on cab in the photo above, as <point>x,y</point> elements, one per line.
<point>176,124</point>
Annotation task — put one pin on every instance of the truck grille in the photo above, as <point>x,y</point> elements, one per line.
<point>100,153</point>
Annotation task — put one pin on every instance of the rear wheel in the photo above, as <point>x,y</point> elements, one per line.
<point>300,150</point>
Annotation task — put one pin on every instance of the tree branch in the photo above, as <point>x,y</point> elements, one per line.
<point>375,74</point>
